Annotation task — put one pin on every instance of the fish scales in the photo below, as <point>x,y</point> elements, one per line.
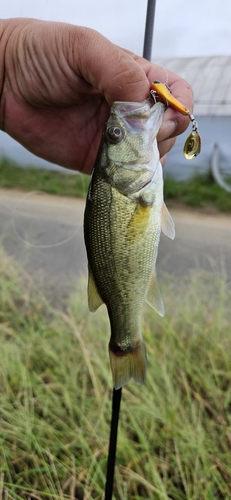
<point>122,226</point>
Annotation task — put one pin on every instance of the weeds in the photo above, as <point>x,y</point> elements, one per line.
<point>200,191</point>
<point>55,396</point>
<point>29,179</point>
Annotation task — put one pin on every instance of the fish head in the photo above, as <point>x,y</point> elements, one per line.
<point>129,153</point>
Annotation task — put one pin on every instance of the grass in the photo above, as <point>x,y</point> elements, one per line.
<point>28,179</point>
<point>200,191</point>
<point>55,396</point>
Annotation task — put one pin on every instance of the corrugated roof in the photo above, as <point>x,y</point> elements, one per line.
<point>210,78</point>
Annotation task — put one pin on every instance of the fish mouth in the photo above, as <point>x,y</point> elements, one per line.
<point>146,184</point>
<point>132,109</point>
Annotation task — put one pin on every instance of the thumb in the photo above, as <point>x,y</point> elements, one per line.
<point>109,69</point>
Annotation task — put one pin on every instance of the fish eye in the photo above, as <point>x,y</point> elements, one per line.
<point>115,134</point>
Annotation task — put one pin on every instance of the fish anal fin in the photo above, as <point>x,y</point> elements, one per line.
<point>154,297</point>
<point>132,365</point>
<point>167,223</point>
<point>94,299</point>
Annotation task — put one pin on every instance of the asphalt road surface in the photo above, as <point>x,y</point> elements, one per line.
<point>45,234</point>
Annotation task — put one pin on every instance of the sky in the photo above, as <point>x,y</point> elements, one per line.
<point>183,28</point>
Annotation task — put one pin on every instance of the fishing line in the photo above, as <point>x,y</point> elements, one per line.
<point>3,197</point>
<point>166,76</point>
<point>15,211</point>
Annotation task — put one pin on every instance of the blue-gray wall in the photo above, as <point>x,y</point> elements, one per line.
<point>213,129</point>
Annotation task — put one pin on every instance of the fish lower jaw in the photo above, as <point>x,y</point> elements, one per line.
<point>146,184</point>
<point>129,364</point>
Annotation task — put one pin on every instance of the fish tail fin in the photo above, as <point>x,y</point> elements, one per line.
<point>126,366</point>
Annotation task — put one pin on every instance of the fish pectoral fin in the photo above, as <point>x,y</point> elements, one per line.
<point>94,299</point>
<point>167,223</point>
<point>154,297</point>
<point>138,223</point>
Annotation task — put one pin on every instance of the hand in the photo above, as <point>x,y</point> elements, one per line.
<point>58,83</point>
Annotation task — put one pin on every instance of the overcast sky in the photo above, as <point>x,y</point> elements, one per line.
<point>182,27</point>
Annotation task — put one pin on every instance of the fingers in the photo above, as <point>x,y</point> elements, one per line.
<point>163,160</point>
<point>165,146</point>
<point>181,91</point>
<point>109,69</point>
<point>120,75</point>
<point>174,123</point>
<point>168,127</point>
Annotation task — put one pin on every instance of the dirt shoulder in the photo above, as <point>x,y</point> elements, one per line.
<point>57,257</point>
<point>60,205</point>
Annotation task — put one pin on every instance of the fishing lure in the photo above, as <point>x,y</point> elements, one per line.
<point>162,93</point>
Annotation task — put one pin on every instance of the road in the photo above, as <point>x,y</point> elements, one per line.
<point>45,234</point>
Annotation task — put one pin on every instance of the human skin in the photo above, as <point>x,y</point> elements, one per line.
<point>58,81</point>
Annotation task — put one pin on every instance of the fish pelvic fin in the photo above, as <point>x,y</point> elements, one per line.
<point>127,366</point>
<point>154,297</point>
<point>94,299</point>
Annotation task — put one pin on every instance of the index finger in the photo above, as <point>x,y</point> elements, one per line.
<point>114,72</point>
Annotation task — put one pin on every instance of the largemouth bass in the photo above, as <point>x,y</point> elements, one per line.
<point>122,224</point>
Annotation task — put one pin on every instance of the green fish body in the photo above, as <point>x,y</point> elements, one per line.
<point>122,224</point>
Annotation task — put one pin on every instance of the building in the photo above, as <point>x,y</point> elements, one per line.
<point>210,78</point>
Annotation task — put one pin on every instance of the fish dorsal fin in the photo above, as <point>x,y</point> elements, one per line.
<point>167,223</point>
<point>154,297</point>
<point>94,299</point>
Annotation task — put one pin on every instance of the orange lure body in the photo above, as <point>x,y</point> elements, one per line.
<point>164,95</point>
<point>161,93</point>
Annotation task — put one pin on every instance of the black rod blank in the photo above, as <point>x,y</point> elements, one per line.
<point>112,443</point>
<point>149,28</point>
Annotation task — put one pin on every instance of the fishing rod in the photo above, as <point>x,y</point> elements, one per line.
<point>149,29</point>
<point>116,399</point>
<point>117,393</point>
